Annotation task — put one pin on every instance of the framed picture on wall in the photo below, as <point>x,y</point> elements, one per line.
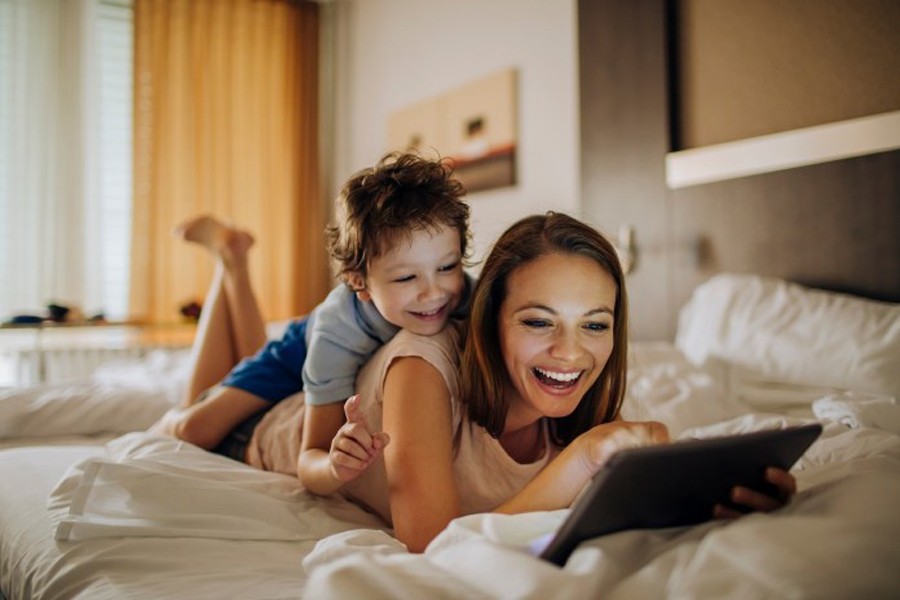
<point>474,125</point>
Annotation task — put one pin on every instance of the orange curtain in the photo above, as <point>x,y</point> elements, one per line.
<point>225,122</point>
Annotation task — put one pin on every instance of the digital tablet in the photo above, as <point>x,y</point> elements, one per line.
<point>675,484</point>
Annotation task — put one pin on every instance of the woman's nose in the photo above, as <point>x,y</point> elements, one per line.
<point>566,346</point>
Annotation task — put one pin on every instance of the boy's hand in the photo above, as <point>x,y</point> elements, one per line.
<point>353,448</point>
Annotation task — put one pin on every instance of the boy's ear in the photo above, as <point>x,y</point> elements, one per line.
<point>357,283</point>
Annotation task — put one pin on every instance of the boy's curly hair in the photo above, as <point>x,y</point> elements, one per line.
<point>402,193</point>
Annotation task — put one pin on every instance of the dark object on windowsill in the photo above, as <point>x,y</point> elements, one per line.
<point>25,320</point>
<point>58,312</point>
<point>191,311</point>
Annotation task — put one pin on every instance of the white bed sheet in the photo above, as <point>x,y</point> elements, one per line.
<point>160,519</point>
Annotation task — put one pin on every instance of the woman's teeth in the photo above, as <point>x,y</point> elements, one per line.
<point>556,378</point>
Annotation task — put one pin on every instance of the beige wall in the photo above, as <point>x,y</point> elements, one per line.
<point>390,54</point>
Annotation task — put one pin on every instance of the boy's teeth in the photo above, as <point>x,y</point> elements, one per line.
<point>564,377</point>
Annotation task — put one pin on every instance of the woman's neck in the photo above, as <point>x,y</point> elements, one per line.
<point>524,444</point>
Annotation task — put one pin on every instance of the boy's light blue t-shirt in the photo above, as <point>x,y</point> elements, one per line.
<point>322,354</point>
<point>341,334</point>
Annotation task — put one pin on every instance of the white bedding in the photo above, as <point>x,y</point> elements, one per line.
<point>139,516</point>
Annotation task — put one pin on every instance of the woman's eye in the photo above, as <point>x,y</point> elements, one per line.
<point>598,326</point>
<point>450,267</point>
<point>536,323</point>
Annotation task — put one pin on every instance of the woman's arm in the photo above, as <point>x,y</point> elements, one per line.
<point>560,482</point>
<point>419,459</point>
<point>557,485</point>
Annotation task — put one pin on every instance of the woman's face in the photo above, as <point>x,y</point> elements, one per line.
<point>556,333</point>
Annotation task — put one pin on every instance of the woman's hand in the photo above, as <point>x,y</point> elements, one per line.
<point>755,501</point>
<point>354,449</point>
<point>601,442</point>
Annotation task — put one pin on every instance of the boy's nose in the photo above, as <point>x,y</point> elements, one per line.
<point>430,289</point>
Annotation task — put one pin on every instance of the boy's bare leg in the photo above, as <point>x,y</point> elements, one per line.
<point>231,325</point>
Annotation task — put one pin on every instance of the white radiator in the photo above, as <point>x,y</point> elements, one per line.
<point>28,367</point>
<point>28,358</point>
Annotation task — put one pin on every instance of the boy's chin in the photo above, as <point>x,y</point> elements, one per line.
<point>426,329</point>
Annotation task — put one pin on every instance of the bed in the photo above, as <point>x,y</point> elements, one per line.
<point>92,507</point>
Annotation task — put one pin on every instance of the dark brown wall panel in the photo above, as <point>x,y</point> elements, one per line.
<point>754,67</point>
<point>624,124</point>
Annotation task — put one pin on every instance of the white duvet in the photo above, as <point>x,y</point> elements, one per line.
<point>843,516</point>
<point>148,517</point>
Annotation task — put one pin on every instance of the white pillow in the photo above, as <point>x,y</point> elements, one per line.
<point>789,333</point>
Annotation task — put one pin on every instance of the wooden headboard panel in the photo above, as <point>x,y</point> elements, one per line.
<point>834,225</point>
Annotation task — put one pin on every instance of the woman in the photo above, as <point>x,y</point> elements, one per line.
<point>532,413</point>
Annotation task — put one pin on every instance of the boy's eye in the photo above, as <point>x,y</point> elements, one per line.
<point>449,267</point>
<point>404,278</point>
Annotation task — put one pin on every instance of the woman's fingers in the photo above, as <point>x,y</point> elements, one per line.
<point>783,480</point>
<point>755,501</point>
<point>659,433</point>
<point>607,439</point>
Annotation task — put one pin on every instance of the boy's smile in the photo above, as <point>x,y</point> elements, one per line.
<point>418,283</point>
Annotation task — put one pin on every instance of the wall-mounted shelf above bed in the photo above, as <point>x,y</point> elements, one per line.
<point>784,150</point>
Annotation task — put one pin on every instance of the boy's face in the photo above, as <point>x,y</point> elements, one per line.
<point>418,282</point>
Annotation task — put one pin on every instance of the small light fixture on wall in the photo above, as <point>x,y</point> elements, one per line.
<point>626,249</point>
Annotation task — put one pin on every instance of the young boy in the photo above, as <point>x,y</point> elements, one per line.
<point>399,241</point>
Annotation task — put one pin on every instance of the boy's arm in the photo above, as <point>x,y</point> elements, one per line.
<point>345,333</point>
<point>320,425</point>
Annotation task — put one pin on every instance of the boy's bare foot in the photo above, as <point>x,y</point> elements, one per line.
<point>223,240</point>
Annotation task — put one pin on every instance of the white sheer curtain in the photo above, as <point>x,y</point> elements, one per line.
<point>54,236</point>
